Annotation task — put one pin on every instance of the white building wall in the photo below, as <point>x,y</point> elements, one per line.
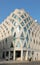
<point>5,32</point>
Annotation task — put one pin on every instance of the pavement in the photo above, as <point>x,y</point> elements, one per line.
<point>19,62</point>
<point>11,61</point>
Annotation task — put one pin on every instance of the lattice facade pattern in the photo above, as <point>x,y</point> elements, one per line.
<point>20,32</point>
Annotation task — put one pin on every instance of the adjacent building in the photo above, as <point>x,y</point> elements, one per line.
<point>19,37</point>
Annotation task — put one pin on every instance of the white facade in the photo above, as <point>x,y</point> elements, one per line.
<point>19,37</point>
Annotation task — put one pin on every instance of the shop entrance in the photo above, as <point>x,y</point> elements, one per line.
<point>3,55</point>
<point>18,55</point>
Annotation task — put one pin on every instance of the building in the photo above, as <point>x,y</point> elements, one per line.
<point>19,37</point>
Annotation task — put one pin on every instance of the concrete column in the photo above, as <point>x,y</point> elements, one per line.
<point>21,54</point>
<point>26,55</point>
<point>9,55</point>
<point>14,55</point>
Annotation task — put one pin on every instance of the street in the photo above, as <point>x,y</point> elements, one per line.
<point>22,63</point>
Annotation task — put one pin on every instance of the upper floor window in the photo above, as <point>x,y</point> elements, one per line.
<point>34,41</point>
<point>27,38</point>
<point>6,40</point>
<point>22,16</point>
<point>25,20</point>
<point>22,23</point>
<point>18,44</point>
<point>22,36</point>
<point>29,31</point>
<point>32,33</point>
<point>19,19</point>
<point>25,29</point>
<point>18,28</point>
<point>28,18</point>
<point>14,37</point>
<point>12,29</point>
<point>15,23</point>
<point>11,45</point>
<point>27,25</point>
<point>16,17</point>
<point>14,34</point>
<point>24,45</point>
<point>12,20</point>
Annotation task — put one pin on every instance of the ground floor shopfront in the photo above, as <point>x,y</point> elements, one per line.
<point>15,55</point>
<point>18,54</point>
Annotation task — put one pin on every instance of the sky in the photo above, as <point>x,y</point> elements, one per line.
<point>30,6</point>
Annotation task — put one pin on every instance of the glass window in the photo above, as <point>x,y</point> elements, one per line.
<point>31,22</point>
<point>29,46</point>
<point>25,21</point>
<point>7,53</point>
<point>3,41</point>
<point>24,44</point>
<point>34,41</point>
<point>29,54</point>
<point>30,28</point>
<point>14,34</point>
<point>19,19</point>
<point>29,31</point>
<point>12,20</point>
<point>27,38</point>
<point>6,28</point>
<point>15,23</point>
<point>11,45</point>
<point>18,28</point>
<point>27,25</point>
<point>22,23</point>
<point>25,29</point>
<point>15,16</point>
<point>32,33</point>
<point>22,36</point>
<point>30,39</point>
<point>12,29</point>
<point>6,40</point>
<point>22,16</point>
<point>28,18</point>
<point>14,37</point>
<point>18,45</point>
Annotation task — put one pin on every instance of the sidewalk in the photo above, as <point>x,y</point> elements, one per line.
<point>11,61</point>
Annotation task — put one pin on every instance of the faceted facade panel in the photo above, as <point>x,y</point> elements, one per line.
<point>19,37</point>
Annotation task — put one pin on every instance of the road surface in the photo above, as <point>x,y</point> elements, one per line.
<point>21,63</point>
